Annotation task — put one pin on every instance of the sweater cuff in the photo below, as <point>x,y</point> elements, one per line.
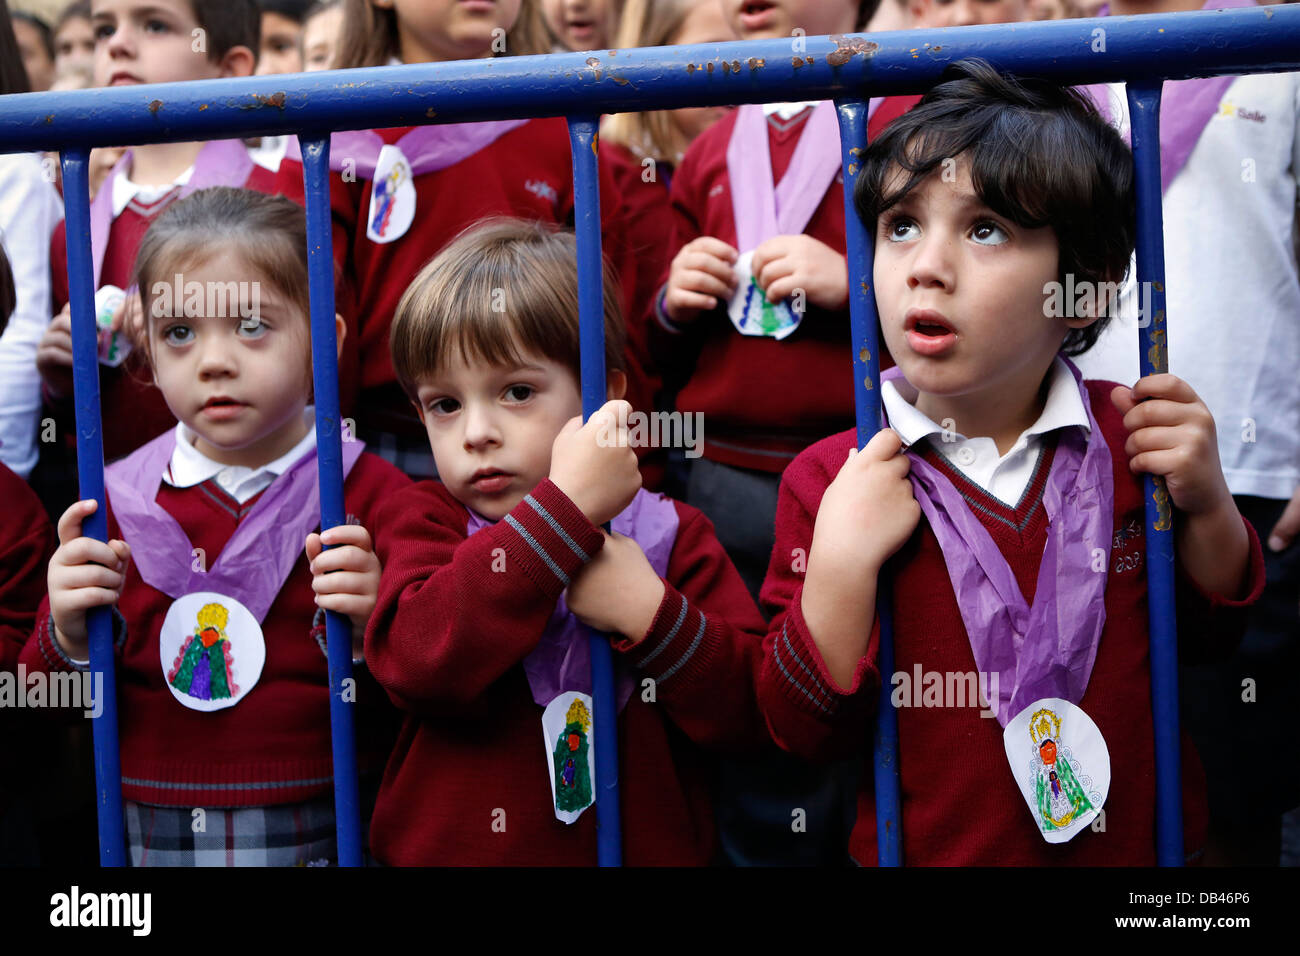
<point>1255,577</point>
<point>805,681</point>
<point>675,642</point>
<point>57,659</point>
<point>550,537</point>
<point>661,314</point>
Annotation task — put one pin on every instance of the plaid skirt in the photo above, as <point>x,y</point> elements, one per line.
<point>408,454</point>
<point>294,834</point>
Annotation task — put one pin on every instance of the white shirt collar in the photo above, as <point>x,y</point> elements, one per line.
<point>787,111</point>
<point>124,190</point>
<point>190,467</point>
<point>1064,407</point>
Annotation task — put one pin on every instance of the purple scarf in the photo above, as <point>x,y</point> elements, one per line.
<point>762,209</point>
<point>562,659</point>
<point>1185,107</point>
<point>427,148</point>
<point>222,162</point>
<point>1046,650</point>
<point>253,564</point>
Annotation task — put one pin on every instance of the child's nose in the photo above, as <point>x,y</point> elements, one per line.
<point>481,427</point>
<point>931,263</point>
<point>216,357</point>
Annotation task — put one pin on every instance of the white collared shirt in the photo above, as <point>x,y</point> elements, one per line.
<point>190,467</point>
<point>125,189</point>
<point>787,111</point>
<point>1004,476</point>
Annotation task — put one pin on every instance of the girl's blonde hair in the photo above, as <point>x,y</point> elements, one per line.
<point>369,36</point>
<point>502,287</point>
<point>652,134</point>
<point>270,233</point>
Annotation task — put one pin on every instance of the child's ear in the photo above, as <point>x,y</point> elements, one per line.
<point>238,61</point>
<point>616,385</point>
<point>341,331</point>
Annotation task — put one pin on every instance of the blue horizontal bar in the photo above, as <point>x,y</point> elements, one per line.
<point>1152,47</point>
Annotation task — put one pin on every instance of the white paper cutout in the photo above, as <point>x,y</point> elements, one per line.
<point>1061,765</point>
<point>570,754</point>
<point>113,346</point>
<point>749,310</point>
<point>211,649</point>
<point>392,197</point>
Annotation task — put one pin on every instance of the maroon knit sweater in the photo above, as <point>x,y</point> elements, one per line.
<point>960,803</point>
<point>273,746</point>
<point>467,782</point>
<point>764,400</point>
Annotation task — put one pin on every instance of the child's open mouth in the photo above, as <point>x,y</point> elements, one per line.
<point>928,332</point>
<point>222,408</point>
<point>490,481</point>
<point>757,15</point>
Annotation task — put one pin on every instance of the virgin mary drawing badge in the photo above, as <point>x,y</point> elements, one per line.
<point>749,310</point>
<point>392,197</point>
<point>212,651</point>
<point>1061,764</point>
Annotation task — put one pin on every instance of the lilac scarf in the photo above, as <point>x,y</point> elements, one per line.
<point>258,558</point>
<point>427,148</point>
<point>1185,107</point>
<point>762,209</point>
<point>1046,650</point>
<point>562,659</point>
<point>222,162</point>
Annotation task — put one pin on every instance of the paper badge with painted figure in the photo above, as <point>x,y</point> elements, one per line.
<point>571,753</point>
<point>749,310</point>
<point>114,346</point>
<point>392,197</point>
<point>1061,764</point>
<point>212,651</point>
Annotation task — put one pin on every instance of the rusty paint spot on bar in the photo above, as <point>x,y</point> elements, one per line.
<point>594,64</point>
<point>797,62</point>
<point>847,47</point>
<point>726,67</point>
<point>808,60</point>
<point>867,384</point>
<point>203,107</point>
<point>155,106</point>
<point>755,62</point>
<point>864,355</point>
<point>690,67</point>
<point>430,113</point>
<point>709,66</point>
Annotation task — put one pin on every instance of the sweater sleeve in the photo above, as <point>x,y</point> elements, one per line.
<point>24,559</point>
<point>456,612</point>
<point>704,647</point>
<point>807,712</point>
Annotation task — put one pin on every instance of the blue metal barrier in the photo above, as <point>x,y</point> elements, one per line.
<point>1140,50</point>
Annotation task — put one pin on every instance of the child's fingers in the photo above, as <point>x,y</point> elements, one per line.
<point>713,247</point>
<point>69,526</point>
<point>344,558</point>
<point>343,582</point>
<point>784,287</point>
<point>351,605</point>
<point>313,546</point>
<point>83,599</point>
<point>884,445</point>
<point>1164,385</point>
<point>720,269</point>
<point>81,576</point>
<point>703,283</point>
<point>771,270</point>
<point>1157,412</point>
<point>1122,398</point>
<point>347,534</point>
<point>1154,439</point>
<point>1162,462</point>
<point>685,299</point>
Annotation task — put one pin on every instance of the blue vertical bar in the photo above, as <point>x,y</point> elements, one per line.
<point>90,478</point>
<point>583,140</point>
<point>1144,114</point>
<point>329,445</point>
<point>852,114</point>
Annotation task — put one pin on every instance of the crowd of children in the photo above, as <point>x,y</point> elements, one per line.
<point>998,508</point>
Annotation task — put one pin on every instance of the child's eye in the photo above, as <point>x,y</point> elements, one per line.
<point>900,229</point>
<point>103,31</point>
<point>989,234</point>
<point>253,328</point>
<point>514,391</point>
<point>443,406</point>
<point>178,335</point>
<point>157,26</point>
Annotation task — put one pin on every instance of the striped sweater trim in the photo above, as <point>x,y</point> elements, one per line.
<point>822,699</point>
<point>537,547</point>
